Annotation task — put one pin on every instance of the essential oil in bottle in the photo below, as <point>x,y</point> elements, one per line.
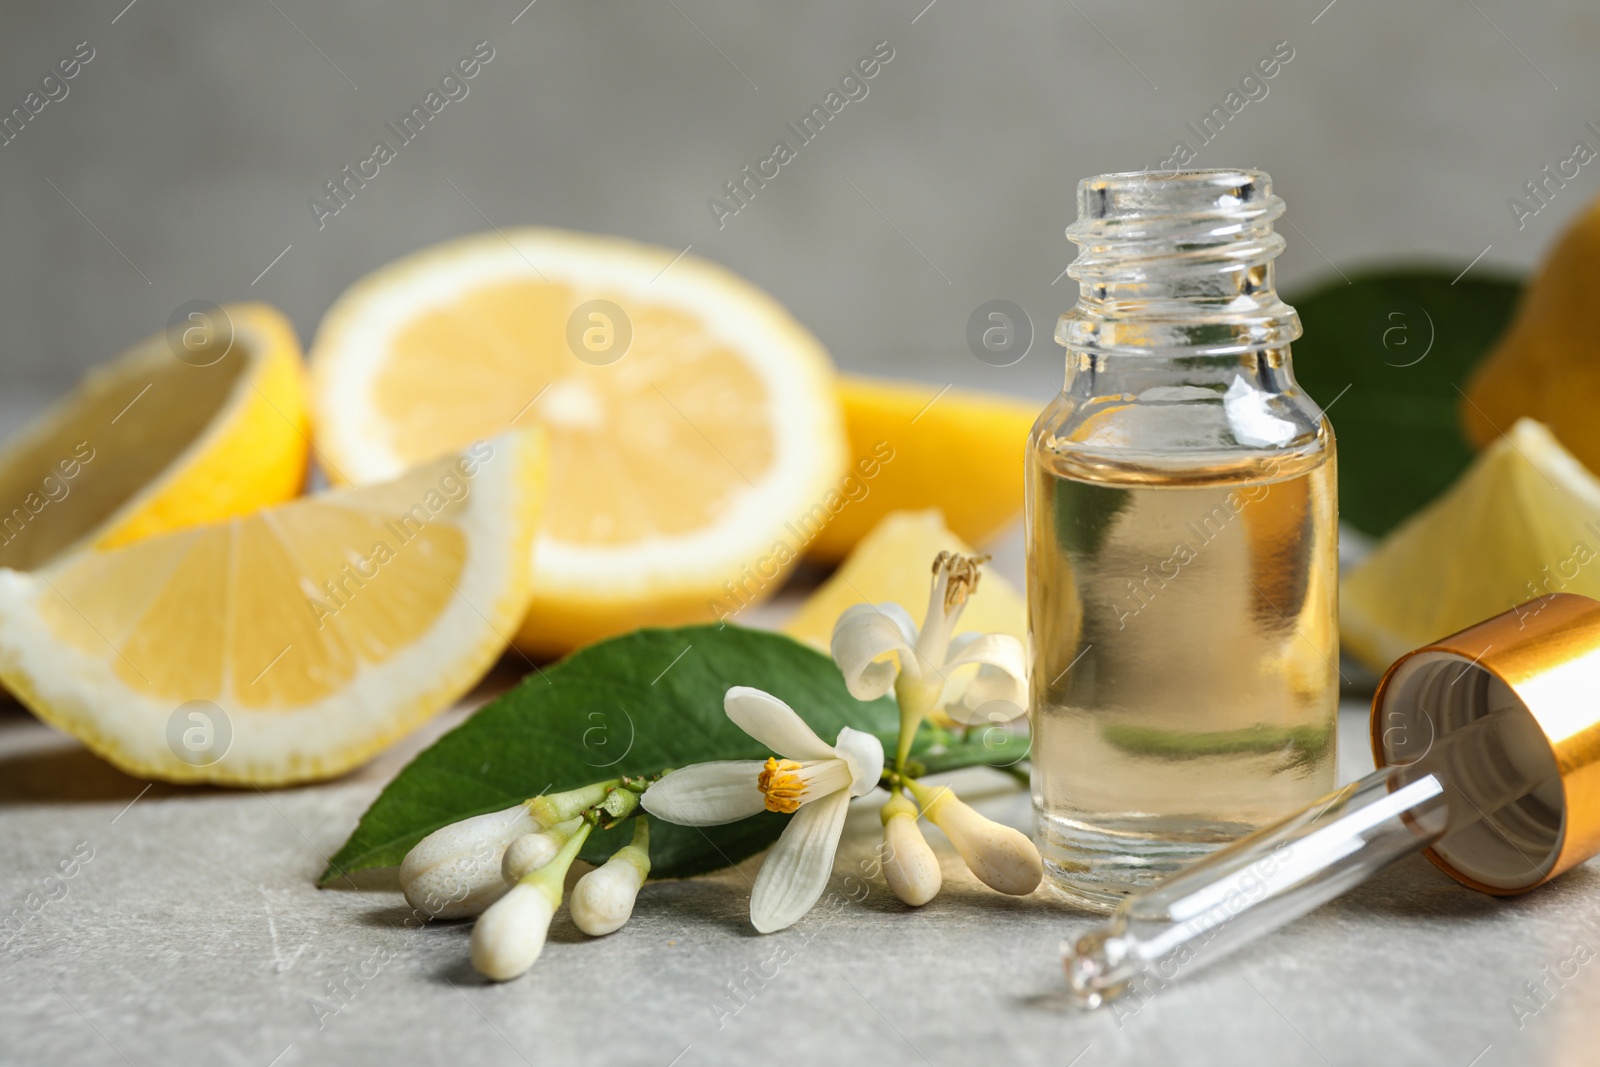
<point>1182,542</point>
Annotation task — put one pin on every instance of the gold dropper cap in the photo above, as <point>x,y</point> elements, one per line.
<point>1544,658</point>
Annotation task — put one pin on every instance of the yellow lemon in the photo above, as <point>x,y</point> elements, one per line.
<point>891,564</point>
<point>198,424</point>
<point>1522,522</point>
<point>917,446</point>
<point>694,429</point>
<point>1544,366</point>
<point>288,645</point>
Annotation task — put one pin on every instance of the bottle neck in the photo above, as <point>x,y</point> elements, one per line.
<point>1179,266</point>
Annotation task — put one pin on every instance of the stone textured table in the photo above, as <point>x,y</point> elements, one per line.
<point>191,932</point>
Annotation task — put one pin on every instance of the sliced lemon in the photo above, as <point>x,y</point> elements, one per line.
<point>1543,366</point>
<point>694,431</point>
<point>1522,522</point>
<point>199,424</point>
<point>918,446</point>
<point>892,564</point>
<point>289,645</point>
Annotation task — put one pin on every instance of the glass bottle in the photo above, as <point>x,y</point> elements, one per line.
<point>1182,542</point>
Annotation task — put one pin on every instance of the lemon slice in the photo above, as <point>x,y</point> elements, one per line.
<point>918,446</point>
<point>1522,522</point>
<point>893,563</point>
<point>199,424</point>
<point>288,645</point>
<point>694,432</point>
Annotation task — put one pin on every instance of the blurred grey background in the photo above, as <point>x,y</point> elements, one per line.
<point>181,162</point>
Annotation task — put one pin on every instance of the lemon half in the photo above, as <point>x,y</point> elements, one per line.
<point>694,430</point>
<point>288,645</point>
<point>199,426</point>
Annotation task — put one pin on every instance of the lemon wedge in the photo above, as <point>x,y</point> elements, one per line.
<point>1522,522</point>
<point>202,423</point>
<point>892,564</point>
<point>288,645</point>
<point>919,446</point>
<point>694,432</point>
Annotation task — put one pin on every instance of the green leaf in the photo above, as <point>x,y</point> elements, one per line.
<point>1387,351</point>
<point>636,704</point>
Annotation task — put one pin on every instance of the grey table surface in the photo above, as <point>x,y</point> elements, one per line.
<point>194,933</point>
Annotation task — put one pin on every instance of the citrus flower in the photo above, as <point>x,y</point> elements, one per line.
<point>808,777</point>
<point>865,633</point>
<point>602,901</point>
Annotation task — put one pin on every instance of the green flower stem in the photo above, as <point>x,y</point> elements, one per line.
<point>619,804</point>
<point>559,807</point>
<point>552,877</point>
<point>992,748</point>
<point>637,851</point>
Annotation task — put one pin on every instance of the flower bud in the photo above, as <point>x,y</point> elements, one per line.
<point>510,935</point>
<point>531,851</point>
<point>909,865</point>
<point>454,872</point>
<point>1002,858</point>
<point>603,899</point>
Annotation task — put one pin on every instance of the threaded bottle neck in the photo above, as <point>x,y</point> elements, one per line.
<point>1177,265</point>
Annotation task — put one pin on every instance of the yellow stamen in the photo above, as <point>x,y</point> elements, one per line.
<point>782,785</point>
<point>963,573</point>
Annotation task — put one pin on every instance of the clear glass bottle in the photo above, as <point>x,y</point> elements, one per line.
<point>1182,542</point>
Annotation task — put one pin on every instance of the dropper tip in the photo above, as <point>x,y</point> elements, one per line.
<point>1094,967</point>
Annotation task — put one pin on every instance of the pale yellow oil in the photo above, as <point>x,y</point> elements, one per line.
<point>1185,677</point>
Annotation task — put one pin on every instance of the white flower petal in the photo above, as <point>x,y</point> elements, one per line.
<point>895,613</point>
<point>863,753</point>
<point>999,691</point>
<point>775,724</point>
<point>862,634</point>
<point>997,650</point>
<point>708,794</point>
<point>796,871</point>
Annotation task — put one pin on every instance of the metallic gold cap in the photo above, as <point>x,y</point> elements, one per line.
<point>1544,658</point>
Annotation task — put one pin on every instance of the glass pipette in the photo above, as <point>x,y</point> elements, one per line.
<point>1279,873</point>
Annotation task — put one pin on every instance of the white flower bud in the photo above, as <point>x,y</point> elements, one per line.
<point>455,871</point>
<point>531,851</point>
<point>603,899</point>
<point>1002,858</point>
<point>510,935</point>
<point>909,865</point>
